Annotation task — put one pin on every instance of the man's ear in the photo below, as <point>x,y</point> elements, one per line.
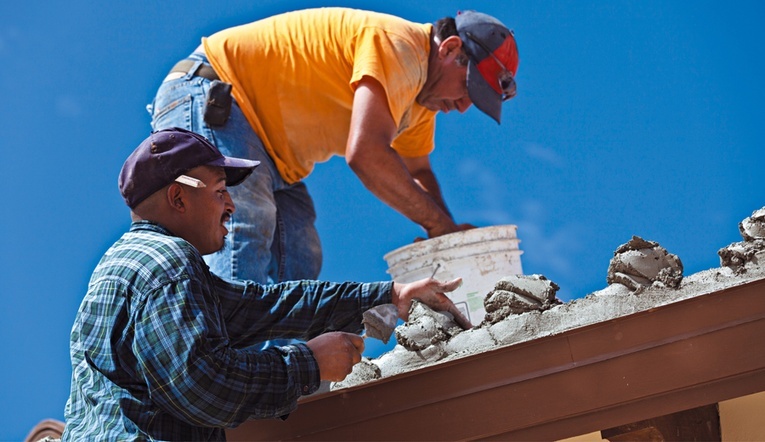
<point>451,46</point>
<point>176,197</point>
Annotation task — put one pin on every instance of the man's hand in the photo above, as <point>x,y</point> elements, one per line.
<point>445,230</point>
<point>407,184</point>
<point>431,293</point>
<point>336,353</point>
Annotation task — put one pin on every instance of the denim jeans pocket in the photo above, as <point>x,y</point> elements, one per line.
<point>174,113</point>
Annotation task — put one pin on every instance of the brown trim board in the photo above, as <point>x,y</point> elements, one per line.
<point>682,355</point>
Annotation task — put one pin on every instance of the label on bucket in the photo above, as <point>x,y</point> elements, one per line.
<point>470,304</point>
<point>475,301</point>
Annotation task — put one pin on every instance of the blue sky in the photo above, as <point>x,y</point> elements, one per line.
<point>632,118</point>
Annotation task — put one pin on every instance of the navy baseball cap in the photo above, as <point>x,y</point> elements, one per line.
<point>493,60</point>
<point>167,154</point>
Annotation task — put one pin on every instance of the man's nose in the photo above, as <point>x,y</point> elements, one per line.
<point>463,104</point>
<point>229,204</point>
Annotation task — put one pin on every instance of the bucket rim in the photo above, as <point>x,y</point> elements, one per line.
<point>461,238</point>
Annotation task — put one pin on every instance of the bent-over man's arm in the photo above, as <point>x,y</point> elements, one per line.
<point>383,171</point>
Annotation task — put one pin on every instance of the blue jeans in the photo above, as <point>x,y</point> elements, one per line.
<point>272,236</point>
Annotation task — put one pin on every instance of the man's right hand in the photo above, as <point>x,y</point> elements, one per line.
<point>336,353</point>
<point>445,230</point>
<point>430,292</point>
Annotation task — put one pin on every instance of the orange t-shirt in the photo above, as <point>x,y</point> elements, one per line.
<point>294,76</point>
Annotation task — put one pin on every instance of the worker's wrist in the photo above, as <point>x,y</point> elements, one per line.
<point>395,292</point>
<point>376,293</point>
<point>447,225</point>
<point>308,375</point>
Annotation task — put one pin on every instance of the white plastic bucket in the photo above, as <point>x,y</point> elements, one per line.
<point>480,256</point>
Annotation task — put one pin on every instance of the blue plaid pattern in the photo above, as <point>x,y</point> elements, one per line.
<point>160,347</point>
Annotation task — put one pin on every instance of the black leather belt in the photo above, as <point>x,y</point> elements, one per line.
<point>204,70</point>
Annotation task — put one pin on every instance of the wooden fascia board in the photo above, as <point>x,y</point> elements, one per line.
<point>674,357</point>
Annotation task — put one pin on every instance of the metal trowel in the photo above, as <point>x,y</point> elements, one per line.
<point>379,322</point>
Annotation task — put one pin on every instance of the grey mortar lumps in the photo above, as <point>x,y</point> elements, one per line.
<point>425,327</point>
<point>615,300</point>
<point>430,336</point>
<point>516,294</point>
<point>638,264</point>
<point>362,372</point>
<point>753,227</point>
<point>752,249</point>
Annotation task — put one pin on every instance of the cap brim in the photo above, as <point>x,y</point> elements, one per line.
<point>482,95</point>
<point>237,169</point>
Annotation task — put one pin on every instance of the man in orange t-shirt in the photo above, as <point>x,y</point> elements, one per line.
<point>295,89</point>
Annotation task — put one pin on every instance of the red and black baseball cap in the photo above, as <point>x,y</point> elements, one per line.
<point>493,55</point>
<point>167,154</point>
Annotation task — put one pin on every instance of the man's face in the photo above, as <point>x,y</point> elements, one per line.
<point>446,86</point>
<point>208,209</point>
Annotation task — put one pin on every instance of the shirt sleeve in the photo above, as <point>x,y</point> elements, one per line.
<point>296,309</point>
<point>193,372</point>
<point>396,62</point>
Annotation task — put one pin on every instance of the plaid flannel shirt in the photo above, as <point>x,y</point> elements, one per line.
<point>159,346</point>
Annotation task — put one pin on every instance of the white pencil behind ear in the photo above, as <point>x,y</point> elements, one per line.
<point>193,182</point>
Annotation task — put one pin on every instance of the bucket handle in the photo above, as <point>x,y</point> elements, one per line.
<point>435,270</point>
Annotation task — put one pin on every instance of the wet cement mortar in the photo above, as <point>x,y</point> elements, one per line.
<point>642,275</point>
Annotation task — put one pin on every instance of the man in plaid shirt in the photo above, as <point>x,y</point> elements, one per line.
<point>162,349</point>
